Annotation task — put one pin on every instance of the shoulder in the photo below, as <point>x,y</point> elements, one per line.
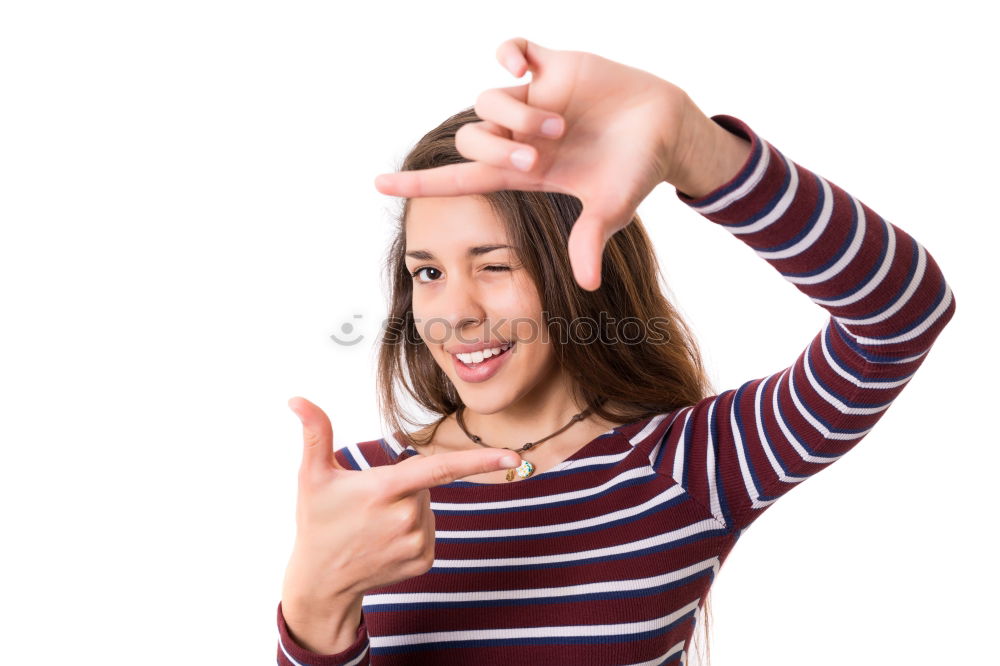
<point>372,453</point>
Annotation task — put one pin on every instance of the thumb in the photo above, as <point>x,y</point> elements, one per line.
<point>586,246</point>
<point>519,55</point>
<point>317,436</point>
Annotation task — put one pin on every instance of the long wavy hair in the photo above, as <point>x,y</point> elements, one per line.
<point>621,381</point>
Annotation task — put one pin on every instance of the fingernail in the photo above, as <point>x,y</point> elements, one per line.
<point>552,127</point>
<point>510,461</point>
<point>512,65</point>
<point>521,158</point>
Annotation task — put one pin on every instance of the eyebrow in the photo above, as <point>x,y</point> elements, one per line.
<point>474,251</point>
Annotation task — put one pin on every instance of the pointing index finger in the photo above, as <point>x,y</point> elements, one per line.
<point>422,472</point>
<point>451,180</point>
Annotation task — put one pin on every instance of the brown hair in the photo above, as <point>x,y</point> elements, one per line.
<point>621,382</point>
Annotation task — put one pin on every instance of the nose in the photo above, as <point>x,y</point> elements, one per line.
<point>461,312</point>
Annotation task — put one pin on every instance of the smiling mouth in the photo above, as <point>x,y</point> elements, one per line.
<point>474,359</point>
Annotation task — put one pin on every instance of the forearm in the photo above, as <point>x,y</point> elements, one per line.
<point>887,295</point>
<point>709,155</point>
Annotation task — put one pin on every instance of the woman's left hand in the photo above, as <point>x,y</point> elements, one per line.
<point>620,131</point>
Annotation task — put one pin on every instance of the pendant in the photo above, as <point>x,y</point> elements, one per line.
<point>524,471</point>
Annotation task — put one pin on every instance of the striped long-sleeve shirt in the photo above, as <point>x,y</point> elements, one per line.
<point>605,558</point>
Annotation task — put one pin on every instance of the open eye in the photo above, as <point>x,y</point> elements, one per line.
<point>426,274</point>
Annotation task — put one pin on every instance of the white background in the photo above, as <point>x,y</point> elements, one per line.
<point>188,212</point>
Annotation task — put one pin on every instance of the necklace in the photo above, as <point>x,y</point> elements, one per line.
<point>526,469</point>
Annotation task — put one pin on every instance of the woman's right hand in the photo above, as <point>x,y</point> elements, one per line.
<point>358,530</point>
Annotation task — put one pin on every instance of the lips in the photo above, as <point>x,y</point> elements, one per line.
<point>480,365</point>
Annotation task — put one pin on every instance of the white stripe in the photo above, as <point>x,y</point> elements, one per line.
<point>876,279</point>
<point>908,359</point>
<point>680,453</point>
<point>358,456</point>
<point>742,190</point>
<point>814,422</point>
<point>553,593</point>
<point>779,209</point>
<point>515,633</point>
<point>591,461</point>
<point>812,235</point>
<point>789,438</point>
<point>772,458</point>
<point>353,662</point>
<point>917,331</point>
<point>848,256</point>
<point>834,400</point>
<point>393,444</point>
<point>904,298</point>
<point>693,529</point>
<point>661,498</point>
<point>655,451</point>
<point>284,651</point>
<point>752,492</point>
<point>713,492</point>
<point>850,376</point>
<point>795,444</point>
<point>627,475</point>
<point>663,657</point>
<point>650,427</point>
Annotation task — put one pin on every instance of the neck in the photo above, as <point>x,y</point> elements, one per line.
<point>539,413</point>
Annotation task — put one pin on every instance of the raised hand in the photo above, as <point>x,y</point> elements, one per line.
<point>617,132</point>
<point>357,530</point>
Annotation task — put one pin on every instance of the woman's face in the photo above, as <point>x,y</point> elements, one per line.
<point>475,307</point>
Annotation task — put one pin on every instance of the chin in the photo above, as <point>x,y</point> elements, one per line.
<point>483,400</point>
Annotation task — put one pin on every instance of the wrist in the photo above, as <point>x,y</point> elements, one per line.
<point>709,156</point>
<point>329,630</point>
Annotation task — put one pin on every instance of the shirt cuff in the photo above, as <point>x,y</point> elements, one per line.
<point>290,652</point>
<point>741,193</point>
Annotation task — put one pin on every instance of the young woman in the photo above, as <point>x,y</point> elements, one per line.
<point>580,486</point>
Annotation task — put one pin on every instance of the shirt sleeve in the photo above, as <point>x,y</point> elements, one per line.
<point>738,452</point>
<point>291,653</point>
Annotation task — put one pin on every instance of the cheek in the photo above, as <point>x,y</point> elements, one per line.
<point>431,327</point>
<point>517,301</point>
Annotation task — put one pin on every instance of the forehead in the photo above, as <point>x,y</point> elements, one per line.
<point>464,220</point>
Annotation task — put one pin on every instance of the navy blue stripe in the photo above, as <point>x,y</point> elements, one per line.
<point>809,225</point>
<point>543,640</point>
<point>707,534</point>
<point>844,365</point>
<point>566,533</point>
<point>769,206</point>
<point>841,251</point>
<point>546,505</point>
<point>870,275</point>
<point>492,603</point>
<point>350,459</point>
<point>872,357</point>
<point>720,485</point>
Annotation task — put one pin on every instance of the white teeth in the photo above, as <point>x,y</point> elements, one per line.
<point>481,355</point>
